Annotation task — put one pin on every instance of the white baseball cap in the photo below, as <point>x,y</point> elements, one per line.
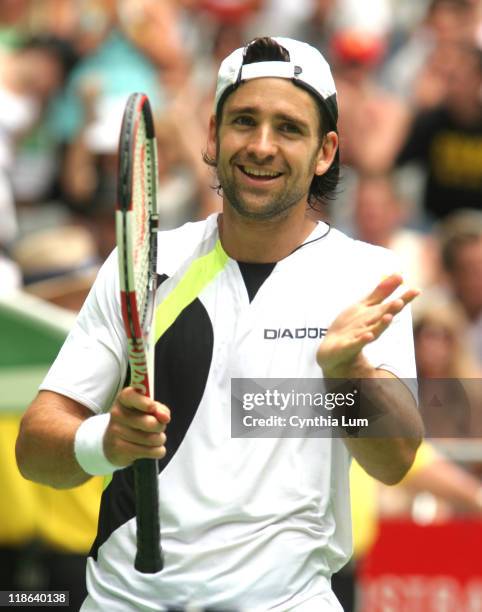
<point>306,67</point>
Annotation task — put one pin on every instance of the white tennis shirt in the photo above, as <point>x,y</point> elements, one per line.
<point>247,524</point>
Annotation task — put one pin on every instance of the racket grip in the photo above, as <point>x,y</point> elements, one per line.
<point>149,558</point>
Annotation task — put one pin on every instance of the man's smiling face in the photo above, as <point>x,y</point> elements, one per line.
<point>267,147</point>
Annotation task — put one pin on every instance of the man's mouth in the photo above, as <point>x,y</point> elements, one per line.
<point>259,173</point>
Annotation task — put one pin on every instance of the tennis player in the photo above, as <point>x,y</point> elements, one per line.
<point>261,291</point>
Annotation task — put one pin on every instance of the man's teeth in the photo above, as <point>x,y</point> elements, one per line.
<point>259,172</point>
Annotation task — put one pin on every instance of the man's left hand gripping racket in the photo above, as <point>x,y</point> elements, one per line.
<point>136,224</point>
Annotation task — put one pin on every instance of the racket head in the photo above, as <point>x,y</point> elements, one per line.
<point>136,222</point>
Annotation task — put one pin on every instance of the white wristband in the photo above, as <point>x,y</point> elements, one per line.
<point>89,446</point>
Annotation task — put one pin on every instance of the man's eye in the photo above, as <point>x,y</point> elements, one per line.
<point>243,120</point>
<point>291,128</point>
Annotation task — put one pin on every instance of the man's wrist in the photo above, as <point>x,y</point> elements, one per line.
<point>89,446</point>
<point>360,369</point>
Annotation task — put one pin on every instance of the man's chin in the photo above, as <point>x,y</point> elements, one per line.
<point>259,210</point>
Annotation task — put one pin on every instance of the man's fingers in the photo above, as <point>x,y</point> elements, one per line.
<point>381,325</point>
<point>142,438</point>
<point>362,323</point>
<point>133,419</point>
<point>410,295</point>
<point>383,290</point>
<point>395,306</point>
<point>130,398</point>
<point>376,313</point>
<point>161,413</point>
<point>136,429</point>
<point>392,307</point>
<point>386,288</point>
<point>123,452</point>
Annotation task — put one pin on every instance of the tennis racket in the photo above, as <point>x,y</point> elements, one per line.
<point>136,224</point>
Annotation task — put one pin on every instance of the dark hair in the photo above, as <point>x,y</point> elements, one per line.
<point>265,49</point>
<point>58,48</point>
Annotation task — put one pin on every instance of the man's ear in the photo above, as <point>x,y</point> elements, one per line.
<point>327,153</point>
<point>212,138</point>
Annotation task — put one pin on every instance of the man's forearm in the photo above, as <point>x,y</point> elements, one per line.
<point>45,444</point>
<point>386,448</point>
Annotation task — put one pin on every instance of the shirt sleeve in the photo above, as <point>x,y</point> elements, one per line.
<point>92,364</point>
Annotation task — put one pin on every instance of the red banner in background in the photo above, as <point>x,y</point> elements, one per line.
<point>414,568</point>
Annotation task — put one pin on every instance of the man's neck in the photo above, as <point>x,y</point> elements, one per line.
<point>263,241</point>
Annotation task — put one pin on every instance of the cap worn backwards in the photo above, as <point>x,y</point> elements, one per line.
<point>306,67</point>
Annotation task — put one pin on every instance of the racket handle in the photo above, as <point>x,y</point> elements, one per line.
<point>149,559</point>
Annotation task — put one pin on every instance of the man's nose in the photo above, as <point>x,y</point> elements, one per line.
<point>262,144</point>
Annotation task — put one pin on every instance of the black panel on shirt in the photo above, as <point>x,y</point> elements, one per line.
<point>254,275</point>
<point>183,359</point>
<point>117,506</point>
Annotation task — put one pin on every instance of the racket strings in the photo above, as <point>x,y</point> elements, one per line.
<point>142,190</point>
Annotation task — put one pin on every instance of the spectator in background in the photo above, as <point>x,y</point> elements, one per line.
<point>308,20</point>
<point>441,347</point>
<point>447,140</point>
<point>142,21</point>
<point>116,61</point>
<point>316,20</point>
<point>461,249</point>
<point>229,12</point>
<point>417,70</point>
<point>380,217</point>
<point>11,15</point>
<point>89,173</point>
<point>89,178</point>
<point>450,399</point>
<point>221,32</point>
<point>185,182</point>
<point>372,120</point>
<point>113,65</point>
<point>281,17</point>
<point>29,76</point>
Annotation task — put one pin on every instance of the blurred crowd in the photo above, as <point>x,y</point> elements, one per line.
<point>409,80</point>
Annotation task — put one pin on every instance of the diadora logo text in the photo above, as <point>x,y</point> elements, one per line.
<point>295,333</point>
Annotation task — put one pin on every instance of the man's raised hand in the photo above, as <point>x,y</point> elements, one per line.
<point>340,353</point>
